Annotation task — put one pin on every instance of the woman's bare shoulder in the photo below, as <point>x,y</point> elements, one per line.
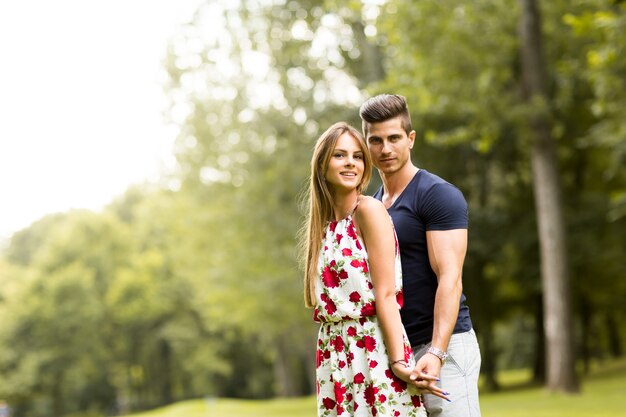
<point>371,208</point>
<point>370,203</point>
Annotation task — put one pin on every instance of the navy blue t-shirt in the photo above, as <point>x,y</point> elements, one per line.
<point>427,203</point>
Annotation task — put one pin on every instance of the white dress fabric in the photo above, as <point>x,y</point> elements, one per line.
<point>353,374</point>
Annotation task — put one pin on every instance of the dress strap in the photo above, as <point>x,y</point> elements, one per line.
<point>355,206</point>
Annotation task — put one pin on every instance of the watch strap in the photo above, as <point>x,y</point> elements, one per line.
<point>438,353</point>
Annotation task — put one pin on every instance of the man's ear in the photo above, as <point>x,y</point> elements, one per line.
<point>412,138</point>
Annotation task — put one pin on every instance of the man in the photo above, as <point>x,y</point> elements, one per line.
<point>431,220</point>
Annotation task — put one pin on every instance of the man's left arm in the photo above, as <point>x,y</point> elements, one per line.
<point>446,251</point>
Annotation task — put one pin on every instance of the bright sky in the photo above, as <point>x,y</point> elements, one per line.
<point>81,102</point>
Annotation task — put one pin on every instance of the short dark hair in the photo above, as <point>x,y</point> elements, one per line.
<point>383,107</point>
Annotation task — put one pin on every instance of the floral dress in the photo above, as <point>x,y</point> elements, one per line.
<point>353,374</point>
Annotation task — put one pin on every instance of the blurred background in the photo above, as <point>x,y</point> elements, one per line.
<point>154,156</point>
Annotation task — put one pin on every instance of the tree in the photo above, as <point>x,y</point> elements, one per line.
<point>276,81</point>
<point>561,372</point>
<point>460,67</point>
<point>55,321</point>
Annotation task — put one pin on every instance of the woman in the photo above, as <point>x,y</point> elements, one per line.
<point>353,281</point>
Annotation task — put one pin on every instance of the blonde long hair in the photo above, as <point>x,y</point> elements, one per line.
<point>320,207</point>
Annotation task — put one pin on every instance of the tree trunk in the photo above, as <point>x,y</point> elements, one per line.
<point>488,353</point>
<point>486,315</point>
<point>615,343</point>
<point>58,407</point>
<point>369,66</point>
<point>585,327</point>
<point>165,374</point>
<point>286,386</point>
<point>311,358</point>
<point>539,365</point>
<point>561,373</point>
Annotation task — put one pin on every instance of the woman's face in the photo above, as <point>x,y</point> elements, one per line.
<point>346,165</point>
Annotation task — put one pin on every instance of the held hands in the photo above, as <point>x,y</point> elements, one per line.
<point>402,370</point>
<point>421,377</point>
<point>425,376</point>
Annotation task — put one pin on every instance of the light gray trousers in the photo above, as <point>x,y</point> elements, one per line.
<point>459,377</point>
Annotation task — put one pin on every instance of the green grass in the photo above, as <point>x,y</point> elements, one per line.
<point>299,407</point>
<point>603,394</point>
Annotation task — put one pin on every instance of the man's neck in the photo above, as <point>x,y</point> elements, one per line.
<point>395,183</point>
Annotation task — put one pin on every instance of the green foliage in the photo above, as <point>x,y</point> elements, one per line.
<point>53,313</point>
<point>244,157</point>
<point>458,66</point>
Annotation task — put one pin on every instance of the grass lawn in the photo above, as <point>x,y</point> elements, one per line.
<point>603,394</point>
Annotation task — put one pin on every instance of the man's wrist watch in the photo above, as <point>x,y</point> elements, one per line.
<point>438,353</point>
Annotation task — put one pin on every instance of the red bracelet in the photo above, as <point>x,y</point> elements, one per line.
<point>402,361</point>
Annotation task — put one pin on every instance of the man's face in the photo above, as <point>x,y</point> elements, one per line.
<point>389,145</point>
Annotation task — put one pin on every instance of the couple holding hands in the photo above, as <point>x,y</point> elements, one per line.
<point>383,275</point>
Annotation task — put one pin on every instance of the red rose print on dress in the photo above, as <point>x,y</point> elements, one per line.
<point>355,297</point>
<point>343,274</point>
<point>352,231</point>
<point>329,403</point>
<point>400,299</point>
<point>407,352</point>
<point>340,392</point>
<point>370,394</point>
<point>398,384</point>
<point>338,344</point>
<point>360,263</point>
<point>329,306</point>
<point>370,343</point>
<point>368,309</point>
<point>416,400</point>
<point>330,277</point>
<point>316,314</point>
<point>352,372</point>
